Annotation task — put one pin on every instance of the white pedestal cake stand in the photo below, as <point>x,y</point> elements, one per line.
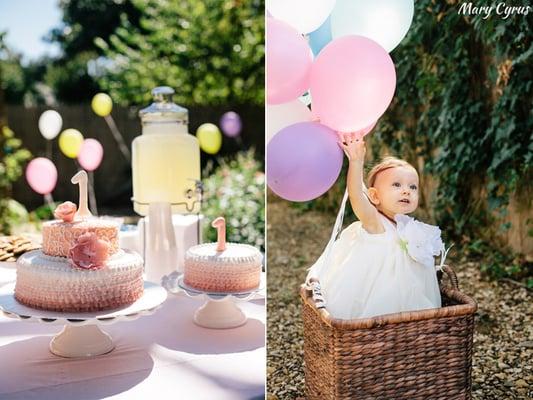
<point>81,335</point>
<point>219,310</point>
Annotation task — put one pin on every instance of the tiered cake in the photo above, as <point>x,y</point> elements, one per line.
<point>80,267</point>
<point>222,268</point>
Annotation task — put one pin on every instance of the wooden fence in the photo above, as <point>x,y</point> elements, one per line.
<point>113,177</point>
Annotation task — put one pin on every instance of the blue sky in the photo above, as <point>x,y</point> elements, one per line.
<point>26,22</point>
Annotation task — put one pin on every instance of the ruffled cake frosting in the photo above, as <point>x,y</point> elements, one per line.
<point>236,269</point>
<point>59,237</point>
<point>53,283</point>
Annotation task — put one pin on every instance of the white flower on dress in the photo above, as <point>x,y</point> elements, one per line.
<point>421,241</point>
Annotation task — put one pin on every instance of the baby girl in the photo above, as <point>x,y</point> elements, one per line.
<point>383,263</point>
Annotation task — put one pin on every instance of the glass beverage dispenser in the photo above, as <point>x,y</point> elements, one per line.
<point>166,179</point>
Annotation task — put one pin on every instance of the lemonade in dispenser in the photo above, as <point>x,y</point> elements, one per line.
<point>165,158</point>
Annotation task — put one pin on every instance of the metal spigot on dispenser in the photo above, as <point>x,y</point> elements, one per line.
<point>166,178</point>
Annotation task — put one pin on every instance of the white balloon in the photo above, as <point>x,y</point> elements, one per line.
<point>303,15</point>
<point>280,116</point>
<point>50,123</point>
<point>384,21</point>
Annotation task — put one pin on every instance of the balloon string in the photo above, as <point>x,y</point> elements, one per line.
<point>239,142</point>
<point>48,199</point>
<point>49,149</point>
<point>92,197</point>
<point>118,137</point>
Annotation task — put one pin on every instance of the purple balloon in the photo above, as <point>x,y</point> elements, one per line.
<point>303,161</point>
<point>231,124</point>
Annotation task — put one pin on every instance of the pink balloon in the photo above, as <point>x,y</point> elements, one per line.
<point>41,174</point>
<point>289,61</point>
<point>365,131</point>
<point>91,154</point>
<point>352,83</point>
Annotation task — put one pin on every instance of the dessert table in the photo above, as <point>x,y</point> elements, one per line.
<point>163,355</point>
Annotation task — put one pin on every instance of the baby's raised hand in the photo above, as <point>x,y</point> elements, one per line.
<point>354,148</point>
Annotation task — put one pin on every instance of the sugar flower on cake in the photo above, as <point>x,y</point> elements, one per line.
<point>89,252</point>
<point>65,211</point>
<point>421,241</point>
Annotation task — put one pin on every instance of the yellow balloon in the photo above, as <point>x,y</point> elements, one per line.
<point>102,104</point>
<point>70,142</point>
<point>210,138</point>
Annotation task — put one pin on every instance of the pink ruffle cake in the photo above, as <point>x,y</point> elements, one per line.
<point>48,279</point>
<point>52,283</point>
<point>237,269</point>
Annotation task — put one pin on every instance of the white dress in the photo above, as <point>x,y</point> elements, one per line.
<point>364,275</point>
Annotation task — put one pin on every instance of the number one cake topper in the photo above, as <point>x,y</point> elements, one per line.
<point>220,224</point>
<point>81,179</point>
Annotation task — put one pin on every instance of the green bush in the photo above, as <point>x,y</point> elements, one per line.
<point>498,263</point>
<point>235,190</point>
<point>12,159</point>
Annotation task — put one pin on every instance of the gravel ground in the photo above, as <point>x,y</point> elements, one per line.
<point>503,341</point>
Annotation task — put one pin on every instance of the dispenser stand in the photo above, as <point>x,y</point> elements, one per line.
<point>159,246</point>
<point>160,243</point>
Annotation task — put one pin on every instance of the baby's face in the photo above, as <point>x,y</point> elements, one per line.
<point>397,190</point>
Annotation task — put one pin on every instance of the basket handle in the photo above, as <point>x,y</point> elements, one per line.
<point>313,285</point>
<point>451,274</point>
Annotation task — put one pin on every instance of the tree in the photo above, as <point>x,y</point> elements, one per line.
<point>3,116</point>
<point>20,83</point>
<point>70,79</point>
<point>210,51</point>
<point>83,21</point>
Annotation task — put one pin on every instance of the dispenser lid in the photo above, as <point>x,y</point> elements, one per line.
<point>163,108</point>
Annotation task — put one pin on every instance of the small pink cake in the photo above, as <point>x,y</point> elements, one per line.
<point>237,269</point>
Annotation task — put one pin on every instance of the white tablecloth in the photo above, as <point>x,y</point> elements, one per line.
<point>164,355</point>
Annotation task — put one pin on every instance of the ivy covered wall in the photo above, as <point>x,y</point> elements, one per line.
<point>463,113</point>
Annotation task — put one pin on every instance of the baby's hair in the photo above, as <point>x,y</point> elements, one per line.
<point>386,163</point>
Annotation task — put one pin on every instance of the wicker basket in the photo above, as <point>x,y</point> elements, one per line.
<point>410,355</point>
